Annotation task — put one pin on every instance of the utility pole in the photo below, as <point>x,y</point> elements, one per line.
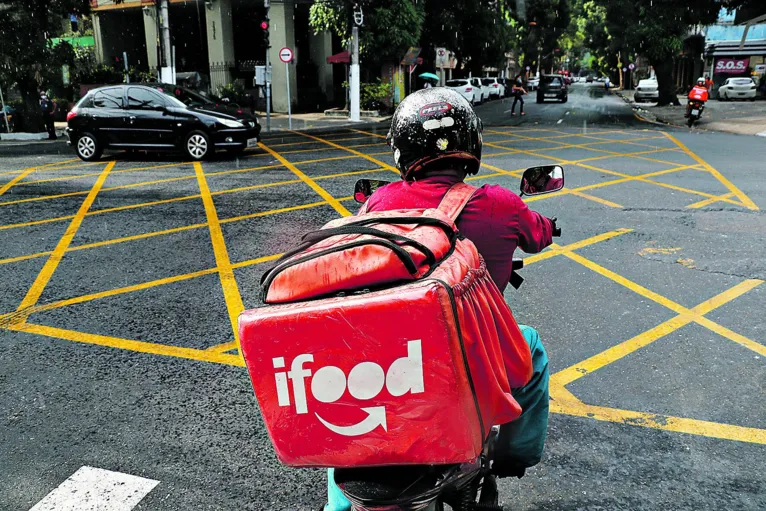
<point>167,72</point>
<point>265,27</point>
<point>354,77</point>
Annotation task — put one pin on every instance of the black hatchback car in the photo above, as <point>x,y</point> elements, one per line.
<point>131,116</point>
<point>552,87</point>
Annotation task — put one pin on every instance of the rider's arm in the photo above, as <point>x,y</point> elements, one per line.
<point>534,230</point>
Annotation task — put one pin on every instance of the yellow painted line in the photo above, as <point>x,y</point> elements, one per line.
<point>606,357</point>
<point>711,200</point>
<point>121,290</point>
<point>728,184</point>
<point>686,316</point>
<point>13,182</point>
<point>257,260</point>
<point>514,173</point>
<point>636,288</point>
<point>597,199</point>
<point>46,166</point>
<point>361,155</point>
<point>128,344</point>
<point>607,183</point>
<point>337,206</point>
<point>555,250</point>
<point>645,178</point>
<point>368,133</point>
<point>733,336</point>
<point>34,292</point>
<point>223,348</point>
<point>231,293</point>
<point>661,422</point>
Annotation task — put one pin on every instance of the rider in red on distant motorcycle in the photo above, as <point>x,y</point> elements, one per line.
<point>496,220</point>
<point>698,93</point>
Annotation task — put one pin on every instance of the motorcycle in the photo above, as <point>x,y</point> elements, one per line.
<point>463,487</point>
<point>694,108</point>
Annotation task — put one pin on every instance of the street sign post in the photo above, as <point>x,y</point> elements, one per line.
<point>286,55</point>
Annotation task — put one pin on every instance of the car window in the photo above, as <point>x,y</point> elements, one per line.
<point>108,98</point>
<point>456,83</point>
<point>139,97</point>
<point>85,102</point>
<point>742,81</point>
<point>551,80</point>
<point>488,81</point>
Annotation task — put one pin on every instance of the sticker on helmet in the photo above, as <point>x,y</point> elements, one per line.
<point>434,109</point>
<point>397,155</point>
<point>435,124</point>
<point>442,144</point>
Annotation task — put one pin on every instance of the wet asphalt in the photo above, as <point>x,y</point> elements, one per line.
<point>106,364</point>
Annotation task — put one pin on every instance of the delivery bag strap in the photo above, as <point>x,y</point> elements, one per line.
<point>456,198</point>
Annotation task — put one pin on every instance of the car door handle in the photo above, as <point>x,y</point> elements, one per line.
<point>132,118</point>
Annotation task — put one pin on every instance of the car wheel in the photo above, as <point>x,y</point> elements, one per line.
<point>88,148</point>
<point>539,99</point>
<point>566,98</point>
<point>197,145</point>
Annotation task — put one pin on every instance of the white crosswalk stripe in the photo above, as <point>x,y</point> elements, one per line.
<point>96,489</point>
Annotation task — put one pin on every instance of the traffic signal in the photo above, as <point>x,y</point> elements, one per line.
<point>265,28</point>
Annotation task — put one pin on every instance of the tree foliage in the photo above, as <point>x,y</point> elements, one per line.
<point>27,58</point>
<point>654,29</point>
<point>479,33</point>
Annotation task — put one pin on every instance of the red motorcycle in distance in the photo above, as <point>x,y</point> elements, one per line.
<point>695,109</point>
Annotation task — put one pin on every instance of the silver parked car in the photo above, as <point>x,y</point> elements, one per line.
<point>647,90</point>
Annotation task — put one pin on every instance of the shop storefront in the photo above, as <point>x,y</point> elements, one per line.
<point>731,59</point>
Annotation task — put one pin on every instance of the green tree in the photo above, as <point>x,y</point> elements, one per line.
<point>652,28</point>
<point>27,58</point>
<point>390,26</point>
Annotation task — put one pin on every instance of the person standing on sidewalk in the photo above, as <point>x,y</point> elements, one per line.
<point>518,91</point>
<point>48,107</point>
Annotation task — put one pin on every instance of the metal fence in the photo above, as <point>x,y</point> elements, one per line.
<point>220,75</point>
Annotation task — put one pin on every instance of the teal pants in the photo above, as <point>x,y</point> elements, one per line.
<point>521,442</point>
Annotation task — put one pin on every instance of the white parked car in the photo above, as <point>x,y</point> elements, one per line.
<point>496,89</point>
<point>647,90</point>
<point>533,83</point>
<point>737,88</point>
<point>468,90</point>
<point>484,89</point>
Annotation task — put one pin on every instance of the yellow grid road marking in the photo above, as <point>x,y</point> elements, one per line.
<point>34,292</point>
<point>563,402</point>
<point>12,317</point>
<point>367,157</point>
<point>749,204</point>
<point>131,345</point>
<point>13,182</point>
<point>231,293</point>
<point>46,166</point>
<point>597,199</point>
<point>337,206</point>
<point>711,200</point>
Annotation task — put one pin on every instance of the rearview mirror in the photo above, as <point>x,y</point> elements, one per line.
<point>543,179</point>
<point>366,187</point>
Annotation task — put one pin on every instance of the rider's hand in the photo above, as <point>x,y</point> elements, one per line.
<point>556,230</point>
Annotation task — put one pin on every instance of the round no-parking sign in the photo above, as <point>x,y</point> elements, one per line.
<point>285,54</point>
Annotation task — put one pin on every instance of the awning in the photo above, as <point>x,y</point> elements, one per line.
<point>732,49</point>
<point>343,57</point>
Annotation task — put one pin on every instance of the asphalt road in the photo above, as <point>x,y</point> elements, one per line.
<point>115,325</point>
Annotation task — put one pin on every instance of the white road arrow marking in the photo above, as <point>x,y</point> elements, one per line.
<point>376,416</point>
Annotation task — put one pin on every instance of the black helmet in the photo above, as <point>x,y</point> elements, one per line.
<point>433,125</point>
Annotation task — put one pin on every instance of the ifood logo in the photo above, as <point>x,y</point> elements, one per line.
<point>365,381</point>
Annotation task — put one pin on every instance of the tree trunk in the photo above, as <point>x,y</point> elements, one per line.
<point>663,68</point>
<point>31,114</point>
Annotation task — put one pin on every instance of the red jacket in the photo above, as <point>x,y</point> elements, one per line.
<point>496,219</point>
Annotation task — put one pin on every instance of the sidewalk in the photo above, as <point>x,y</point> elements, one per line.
<point>739,117</point>
<point>279,122</point>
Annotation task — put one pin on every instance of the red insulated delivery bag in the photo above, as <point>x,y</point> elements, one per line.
<point>384,341</point>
